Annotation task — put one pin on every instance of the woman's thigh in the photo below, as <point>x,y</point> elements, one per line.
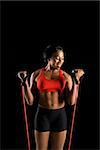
<point>41,139</point>
<point>58,140</point>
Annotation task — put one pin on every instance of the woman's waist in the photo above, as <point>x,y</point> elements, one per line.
<point>51,105</point>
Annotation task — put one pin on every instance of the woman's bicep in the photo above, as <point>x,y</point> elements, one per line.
<point>31,80</point>
<point>69,83</point>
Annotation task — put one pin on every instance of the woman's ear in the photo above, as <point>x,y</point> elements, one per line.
<point>48,60</point>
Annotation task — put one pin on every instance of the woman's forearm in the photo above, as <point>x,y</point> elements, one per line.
<point>28,94</point>
<point>73,95</point>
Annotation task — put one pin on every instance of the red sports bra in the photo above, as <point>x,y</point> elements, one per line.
<point>50,85</point>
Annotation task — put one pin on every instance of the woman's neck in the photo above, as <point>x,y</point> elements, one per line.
<point>50,68</point>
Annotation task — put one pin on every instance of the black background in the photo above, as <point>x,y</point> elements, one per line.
<point>27,28</point>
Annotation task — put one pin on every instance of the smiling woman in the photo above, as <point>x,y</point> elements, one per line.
<point>57,59</point>
<point>51,82</point>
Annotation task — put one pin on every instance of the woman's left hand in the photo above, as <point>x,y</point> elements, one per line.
<point>79,73</point>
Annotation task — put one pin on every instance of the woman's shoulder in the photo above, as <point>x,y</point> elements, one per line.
<point>34,76</point>
<point>36,72</point>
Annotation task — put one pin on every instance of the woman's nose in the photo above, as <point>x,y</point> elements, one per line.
<point>60,60</point>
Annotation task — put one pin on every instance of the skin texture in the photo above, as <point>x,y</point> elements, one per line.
<point>50,100</point>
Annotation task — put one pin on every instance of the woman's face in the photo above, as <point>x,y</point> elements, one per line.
<point>57,59</point>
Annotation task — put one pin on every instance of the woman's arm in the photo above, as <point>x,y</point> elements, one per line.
<point>28,95</point>
<point>72,88</point>
<point>72,91</point>
<point>29,88</point>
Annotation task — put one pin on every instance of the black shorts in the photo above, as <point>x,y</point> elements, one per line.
<point>50,120</point>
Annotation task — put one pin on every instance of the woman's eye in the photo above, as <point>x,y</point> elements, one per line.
<point>57,58</point>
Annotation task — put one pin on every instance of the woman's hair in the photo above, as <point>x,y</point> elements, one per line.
<point>49,50</point>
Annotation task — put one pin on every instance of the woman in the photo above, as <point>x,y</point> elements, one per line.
<point>51,82</point>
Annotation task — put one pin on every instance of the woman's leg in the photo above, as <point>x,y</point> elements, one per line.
<point>58,140</point>
<point>41,139</point>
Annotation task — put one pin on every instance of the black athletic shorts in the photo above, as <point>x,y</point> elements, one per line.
<point>50,119</point>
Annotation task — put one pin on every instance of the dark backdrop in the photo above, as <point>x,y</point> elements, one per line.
<point>27,28</point>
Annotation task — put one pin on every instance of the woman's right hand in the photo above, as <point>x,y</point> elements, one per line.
<point>22,75</point>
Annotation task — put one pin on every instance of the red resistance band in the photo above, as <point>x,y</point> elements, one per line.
<point>26,121</point>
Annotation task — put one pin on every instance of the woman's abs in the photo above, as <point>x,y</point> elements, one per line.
<point>50,100</point>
